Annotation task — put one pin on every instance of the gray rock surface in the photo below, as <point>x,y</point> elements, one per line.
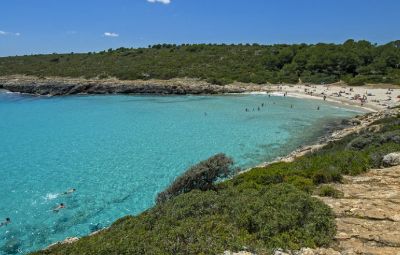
<point>58,86</point>
<point>391,159</point>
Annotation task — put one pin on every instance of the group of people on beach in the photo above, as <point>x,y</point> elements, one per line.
<point>56,209</point>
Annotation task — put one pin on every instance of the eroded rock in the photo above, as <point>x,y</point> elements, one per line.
<point>368,216</point>
<point>391,159</point>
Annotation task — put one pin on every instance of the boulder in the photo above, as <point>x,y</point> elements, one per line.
<point>391,159</point>
<point>355,122</point>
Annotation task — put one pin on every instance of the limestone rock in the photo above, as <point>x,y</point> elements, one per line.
<point>355,122</point>
<point>56,86</point>
<point>368,216</point>
<point>238,253</point>
<point>69,240</point>
<point>392,159</point>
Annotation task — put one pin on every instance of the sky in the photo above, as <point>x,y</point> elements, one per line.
<point>62,26</point>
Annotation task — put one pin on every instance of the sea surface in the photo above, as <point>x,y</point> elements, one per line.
<point>118,152</point>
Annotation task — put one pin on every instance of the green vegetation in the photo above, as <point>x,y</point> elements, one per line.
<point>329,191</point>
<point>353,62</point>
<point>259,210</point>
<point>201,176</point>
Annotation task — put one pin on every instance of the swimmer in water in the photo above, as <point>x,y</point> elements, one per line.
<point>318,108</point>
<point>70,191</point>
<point>58,208</point>
<point>6,222</point>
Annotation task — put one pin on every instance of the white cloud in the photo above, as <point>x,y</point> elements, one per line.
<point>159,1</point>
<point>111,34</point>
<point>9,33</point>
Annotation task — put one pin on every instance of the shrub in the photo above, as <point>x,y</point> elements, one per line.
<point>211,222</point>
<point>302,183</point>
<point>329,191</point>
<point>361,142</point>
<point>201,176</point>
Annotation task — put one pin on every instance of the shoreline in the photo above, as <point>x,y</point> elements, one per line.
<point>369,97</point>
<point>354,125</point>
<point>376,97</point>
<point>339,103</point>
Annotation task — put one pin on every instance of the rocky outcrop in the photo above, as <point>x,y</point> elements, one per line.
<point>368,215</point>
<point>238,253</point>
<point>58,86</point>
<point>308,251</point>
<point>69,240</point>
<point>391,159</point>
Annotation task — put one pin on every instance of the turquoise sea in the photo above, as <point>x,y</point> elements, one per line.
<point>118,152</point>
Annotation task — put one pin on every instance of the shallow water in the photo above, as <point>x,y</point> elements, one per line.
<point>120,151</point>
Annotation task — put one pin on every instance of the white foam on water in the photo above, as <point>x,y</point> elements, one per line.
<point>279,94</point>
<point>51,196</point>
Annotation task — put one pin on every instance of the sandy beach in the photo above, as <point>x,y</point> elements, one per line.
<point>369,97</point>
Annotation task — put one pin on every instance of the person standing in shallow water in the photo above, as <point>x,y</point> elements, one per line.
<point>6,222</point>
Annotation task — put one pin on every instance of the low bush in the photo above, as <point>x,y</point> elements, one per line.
<point>328,191</point>
<point>211,222</point>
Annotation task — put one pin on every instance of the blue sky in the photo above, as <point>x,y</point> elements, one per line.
<point>46,26</point>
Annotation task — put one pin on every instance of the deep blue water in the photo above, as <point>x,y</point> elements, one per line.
<point>120,151</point>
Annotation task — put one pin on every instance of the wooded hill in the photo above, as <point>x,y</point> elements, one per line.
<point>355,62</point>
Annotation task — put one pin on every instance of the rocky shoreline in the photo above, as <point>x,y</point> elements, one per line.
<point>60,86</point>
<point>368,215</point>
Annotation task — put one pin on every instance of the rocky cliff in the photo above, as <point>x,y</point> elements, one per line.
<point>57,86</point>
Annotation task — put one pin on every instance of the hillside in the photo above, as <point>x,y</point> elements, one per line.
<point>353,62</point>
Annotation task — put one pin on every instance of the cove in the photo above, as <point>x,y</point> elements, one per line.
<point>119,151</point>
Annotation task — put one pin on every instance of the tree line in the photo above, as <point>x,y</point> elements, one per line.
<point>354,62</point>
